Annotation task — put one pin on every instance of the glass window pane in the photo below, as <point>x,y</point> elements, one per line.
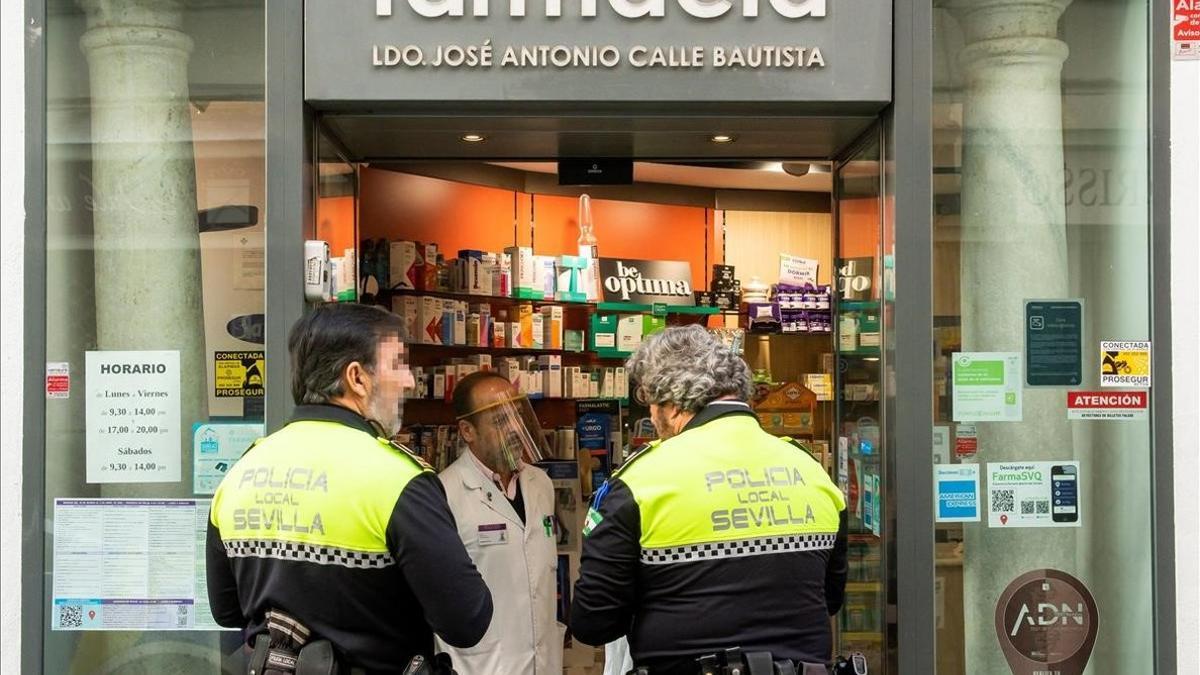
<point>155,305</point>
<point>862,425</point>
<point>1041,254</point>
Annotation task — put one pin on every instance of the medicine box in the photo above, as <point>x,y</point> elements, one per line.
<point>523,273</point>
<point>604,331</point>
<point>429,268</point>
<point>525,321</point>
<point>429,321</point>
<point>544,277</point>
<point>652,324</point>
<point>538,330</point>
<point>404,264</point>
<point>448,307</point>
<point>552,376</point>
<point>460,323</point>
<point>552,325</point>
<point>571,279</point>
<point>629,332</point>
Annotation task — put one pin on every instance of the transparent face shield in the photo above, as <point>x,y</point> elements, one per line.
<point>508,430</point>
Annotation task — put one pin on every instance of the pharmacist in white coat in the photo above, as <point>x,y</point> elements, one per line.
<point>504,511</point>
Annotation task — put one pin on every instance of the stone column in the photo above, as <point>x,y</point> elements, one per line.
<point>1014,247</point>
<point>147,254</point>
<point>148,290</point>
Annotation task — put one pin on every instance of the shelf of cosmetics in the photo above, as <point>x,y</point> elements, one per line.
<point>786,309</point>
<point>456,323</point>
<point>514,272</point>
<point>538,377</point>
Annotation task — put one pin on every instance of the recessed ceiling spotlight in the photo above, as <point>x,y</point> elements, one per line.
<point>473,138</point>
<point>721,138</point>
<point>796,168</point>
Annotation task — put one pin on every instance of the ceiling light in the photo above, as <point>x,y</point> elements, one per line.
<point>796,168</point>
<point>473,138</point>
<point>721,138</point>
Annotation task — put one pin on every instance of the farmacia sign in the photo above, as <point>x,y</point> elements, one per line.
<point>486,54</point>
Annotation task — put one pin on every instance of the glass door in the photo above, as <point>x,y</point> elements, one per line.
<point>860,296</point>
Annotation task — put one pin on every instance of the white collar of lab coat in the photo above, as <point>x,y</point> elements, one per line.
<point>510,490</point>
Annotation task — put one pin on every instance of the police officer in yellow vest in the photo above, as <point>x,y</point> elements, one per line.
<point>719,535</point>
<point>325,529</point>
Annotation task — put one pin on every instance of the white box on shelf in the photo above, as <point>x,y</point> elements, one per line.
<point>404,264</point>
<point>629,332</point>
<point>552,377</point>
<point>429,321</point>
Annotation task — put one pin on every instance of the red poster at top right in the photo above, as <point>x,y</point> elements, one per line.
<point>1185,29</point>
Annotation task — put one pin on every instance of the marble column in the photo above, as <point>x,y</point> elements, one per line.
<point>147,255</point>
<point>1014,247</point>
<point>147,246</point>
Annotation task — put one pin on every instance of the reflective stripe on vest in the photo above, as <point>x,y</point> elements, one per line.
<point>318,492</point>
<point>729,489</point>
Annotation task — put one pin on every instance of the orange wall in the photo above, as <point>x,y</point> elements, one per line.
<point>859,228</point>
<point>462,216</point>
<point>335,223</point>
<point>455,216</point>
<point>632,230</point>
<point>860,231</point>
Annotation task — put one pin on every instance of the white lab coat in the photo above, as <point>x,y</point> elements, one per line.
<point>524,636</point>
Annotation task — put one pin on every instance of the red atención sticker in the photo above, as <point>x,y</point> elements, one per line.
<point>1107,405</point>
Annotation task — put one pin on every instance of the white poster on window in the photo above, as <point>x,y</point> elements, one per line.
<point>987,386</point>
<point>132,414</point>
<point>130,564</point>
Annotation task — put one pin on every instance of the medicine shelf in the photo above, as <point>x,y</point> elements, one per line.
<point>499,351</point>
<point>641,309</point>
<point>590,306</point>
<point>499,299</point>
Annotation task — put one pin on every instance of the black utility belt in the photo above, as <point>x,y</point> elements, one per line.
<point>736,662</point>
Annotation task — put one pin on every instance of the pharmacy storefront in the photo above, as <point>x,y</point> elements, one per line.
<point>928,226</point>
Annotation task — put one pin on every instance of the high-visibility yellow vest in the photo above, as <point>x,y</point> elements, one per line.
<point>729,488</point>
<point>315,491</point>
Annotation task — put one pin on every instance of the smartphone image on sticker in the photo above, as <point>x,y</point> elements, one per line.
<point>1064,487</point>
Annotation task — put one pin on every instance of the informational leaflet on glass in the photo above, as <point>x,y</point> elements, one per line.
<point>130,564</point>
<point>1033,494</point>
<point>987,387</point>
<point>215,448</point>
<point>132,411</point>
<point>1053,343</point>
<point>956,488</point>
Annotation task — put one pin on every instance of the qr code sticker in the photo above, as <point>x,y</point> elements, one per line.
<point>1028,506</point>
<point>70,616</point>
<point>1043,506</point>
<point>1002,500</point>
